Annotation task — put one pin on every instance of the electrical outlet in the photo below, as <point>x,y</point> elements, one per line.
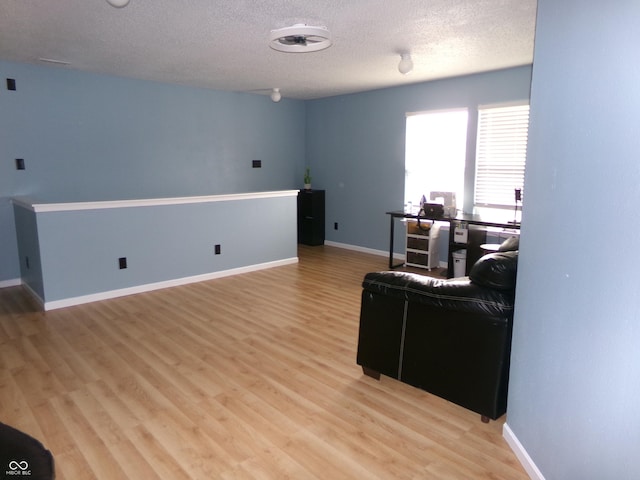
<point>217,249</point>
<point>11,84</point>
<point>122,262</point>
<point>20,164</point>
<point>256,163</point>
<point>335,225</point>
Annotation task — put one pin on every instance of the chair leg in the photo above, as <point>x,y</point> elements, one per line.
<point>371,373</point>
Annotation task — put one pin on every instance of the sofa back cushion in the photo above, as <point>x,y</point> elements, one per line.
<point>496,270</point>
<point>458,294</point>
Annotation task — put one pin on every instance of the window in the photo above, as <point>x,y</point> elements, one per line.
<point>435,154</point>
<point>501,152</point>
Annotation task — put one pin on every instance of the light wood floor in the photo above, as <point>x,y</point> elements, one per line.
<point>244,377</point>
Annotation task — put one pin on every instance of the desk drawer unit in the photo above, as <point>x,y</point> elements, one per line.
<point>422,244</point>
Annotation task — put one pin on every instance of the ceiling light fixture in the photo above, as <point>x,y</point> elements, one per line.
<point>406,64</point>
<point>276,96</point>
<point>54,61</point>
<point>300,38</point>
<point>118,3</point>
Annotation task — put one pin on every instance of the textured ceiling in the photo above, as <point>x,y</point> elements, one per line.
<point>224,44</point>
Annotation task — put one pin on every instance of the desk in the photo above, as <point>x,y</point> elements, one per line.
<point>463,218</point>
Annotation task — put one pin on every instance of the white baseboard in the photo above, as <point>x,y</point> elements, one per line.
<point>524,458</point>
<point>382,253</point>
<point>34,295</point>
<point>347,246</point>
<point>13,282</point>
<point>68,302</point>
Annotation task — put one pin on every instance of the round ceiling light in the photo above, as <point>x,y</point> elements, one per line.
<point>118,3</point>
<point>406,64</point>
<point>300,38</point>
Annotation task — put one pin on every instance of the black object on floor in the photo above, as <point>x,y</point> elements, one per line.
<point>22,456</point>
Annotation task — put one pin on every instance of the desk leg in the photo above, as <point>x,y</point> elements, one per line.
<point>452,235</point>
<point>391,236</point>
<point>391,227</point>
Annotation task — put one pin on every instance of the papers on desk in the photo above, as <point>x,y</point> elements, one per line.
<point>461,233</point>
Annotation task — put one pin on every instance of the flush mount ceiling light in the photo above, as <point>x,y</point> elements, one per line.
<point>118,3</point>
<point>300,38</point>
<point>406,64</point>
<point>276,96</point>
<point>53,61</point>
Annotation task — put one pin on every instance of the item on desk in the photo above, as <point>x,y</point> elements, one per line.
<point>431,210</point>
<point>518,197</point>
<point>448,200</point>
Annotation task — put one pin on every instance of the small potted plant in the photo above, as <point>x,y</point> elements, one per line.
<point>307,179</point>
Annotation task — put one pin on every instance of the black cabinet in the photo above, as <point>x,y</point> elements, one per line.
<point>311,217</point>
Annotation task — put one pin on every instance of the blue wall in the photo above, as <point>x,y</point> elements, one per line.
<point>95,137</point>
<point>355,147</point>
<point>29,250</point>
<point>574,396</point>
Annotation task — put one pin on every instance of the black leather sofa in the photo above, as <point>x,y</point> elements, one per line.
<point>450,337</point>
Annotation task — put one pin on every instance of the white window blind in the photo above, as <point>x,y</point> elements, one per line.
<point>501,152</point>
